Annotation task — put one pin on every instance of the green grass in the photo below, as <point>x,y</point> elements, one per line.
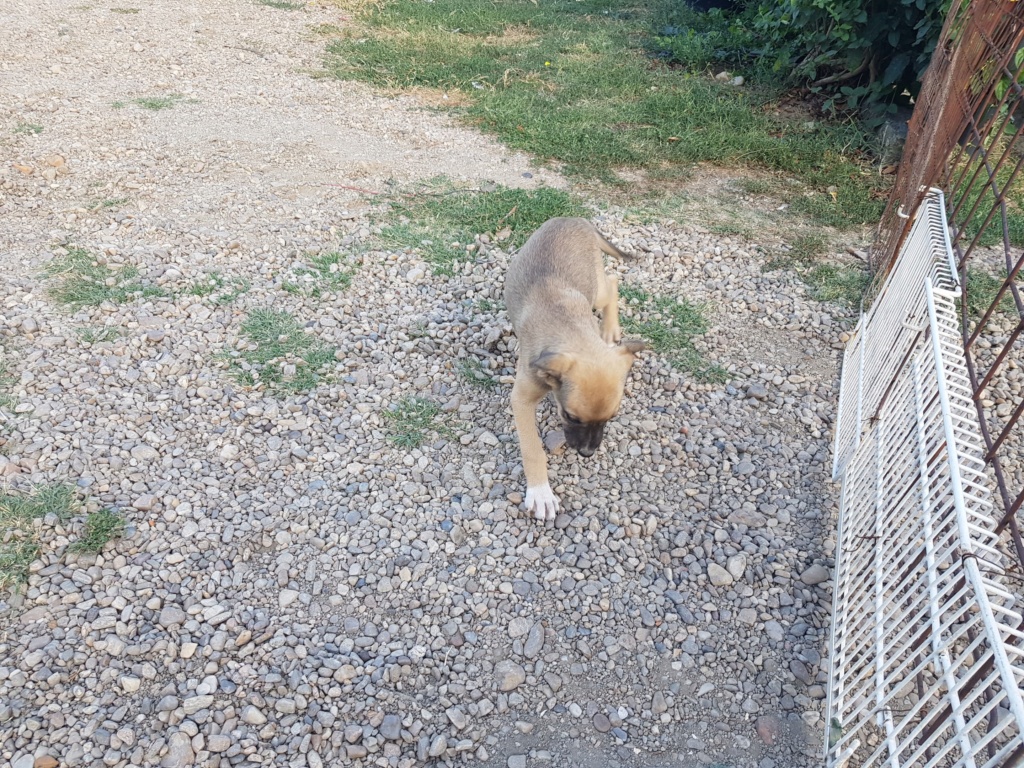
<point>100,529</point>
<point>574,84</point>
<point>77,280</point>
<point>157,103</point>
<point>326,271</point>
<point>88,335</point>
<point>18,543</point>
<point>111,202</point>
<point>124,10</point>
<point>842,284</point>
<point>669,326</point>
<point>471,370</point>
<point>31,128</point>
<point>283,5</point>
<point>277,339</point>
<point>837,283</point>
<point>411,419</point>
<point>982,288</point>
<point>7,400</point>
<point>440,221</point>
<point>219,289</point>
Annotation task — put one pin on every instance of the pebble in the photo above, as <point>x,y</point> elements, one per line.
<point>719,576</point>
<point>509,675</point>
<point>816,574</point>
<point>294,588</point>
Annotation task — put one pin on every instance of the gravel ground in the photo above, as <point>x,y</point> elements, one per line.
<point>295,590</point>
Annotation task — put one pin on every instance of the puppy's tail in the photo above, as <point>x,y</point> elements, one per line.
<point>608,248</point>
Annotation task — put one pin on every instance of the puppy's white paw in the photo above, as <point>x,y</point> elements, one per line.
<point>542,502</point>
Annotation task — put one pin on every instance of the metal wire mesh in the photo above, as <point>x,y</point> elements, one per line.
<point>964,137</point>
<point>927,656</point>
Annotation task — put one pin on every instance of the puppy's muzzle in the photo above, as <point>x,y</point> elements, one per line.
<point>584,438</point>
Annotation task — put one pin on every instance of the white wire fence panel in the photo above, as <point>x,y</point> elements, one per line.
<point>888,332</point>
<point>927,657</point>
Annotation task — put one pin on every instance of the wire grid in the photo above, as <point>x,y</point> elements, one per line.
<point>896,326</point>
<point>965,137</point>
<point>927,657</point>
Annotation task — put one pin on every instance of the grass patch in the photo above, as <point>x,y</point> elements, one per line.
<point>18,543</point>
<point>101,528</point>
<point>156,103</point>
<point>440,222</point>
<point>219,289</point>
<point>411,419</point>
<point>325,270</point>
<point>29,128</point>
<point>88,335</point>
<point>282,5</point>
<point>281,355</point>
<point>78,280</point>
<point>575,84</point>
<point>982,288</point>
<point>670,325</point>
<point>471,370</point>
<point>7,400</point>
<point>108,203</point>
<point>837,283</point>
<point>124,10</point>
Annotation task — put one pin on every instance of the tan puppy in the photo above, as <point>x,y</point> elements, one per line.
<point>552,288</point>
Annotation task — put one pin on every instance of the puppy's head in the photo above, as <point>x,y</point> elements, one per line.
<point>588,389</point>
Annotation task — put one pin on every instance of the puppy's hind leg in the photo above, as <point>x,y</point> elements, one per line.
<point>607,303</point>
<point>540,500</point>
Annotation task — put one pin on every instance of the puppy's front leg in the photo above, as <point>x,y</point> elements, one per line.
<point>539,498</point>
<point>608,305</point>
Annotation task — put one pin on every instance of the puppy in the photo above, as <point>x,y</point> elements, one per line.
<point>552,288</point>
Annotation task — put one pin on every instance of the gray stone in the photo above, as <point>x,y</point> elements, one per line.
<point>719,576</point>
<point>534,642</point>
<point>816,574</point>
<point>509,675</point>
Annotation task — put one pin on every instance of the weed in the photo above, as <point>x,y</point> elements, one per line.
<point>327,269</point>
<point>281,355</point>
<point>89,335</point>
<point>755,186</point>
<point>7,400</point>
<point>111,202</point>
<point>19,546</point>
<point>411,419</point>
<point>472,372</point>
<point>982,288</point>
<point>101,528</point>
<point>78,280</point>
<point>807,248</point>
<point>837,283</point>
<point>119,104</point>
<point>486,306</point>
<point>124,10</point>
<point>573,83</point>
<point>283,5</point>
<point>670,326</point>
<point>156,103</point>
<point>31,128</point>
<point>441,221</point>
<point>220,290</point>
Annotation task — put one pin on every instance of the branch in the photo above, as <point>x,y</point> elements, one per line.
<point>844,75</point>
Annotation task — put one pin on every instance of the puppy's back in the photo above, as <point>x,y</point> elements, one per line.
<point>563,253</point>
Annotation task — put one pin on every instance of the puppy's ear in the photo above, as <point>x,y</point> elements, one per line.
<point>551,366</point>
<point>632,346</point>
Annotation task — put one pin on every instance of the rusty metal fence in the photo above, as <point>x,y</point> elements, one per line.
<point>964,138</point>
<point>927,656</point>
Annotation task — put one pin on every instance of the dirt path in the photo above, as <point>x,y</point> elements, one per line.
<point>295,590</point>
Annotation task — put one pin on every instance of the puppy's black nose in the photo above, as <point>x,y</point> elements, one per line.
<point>586,451</point>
